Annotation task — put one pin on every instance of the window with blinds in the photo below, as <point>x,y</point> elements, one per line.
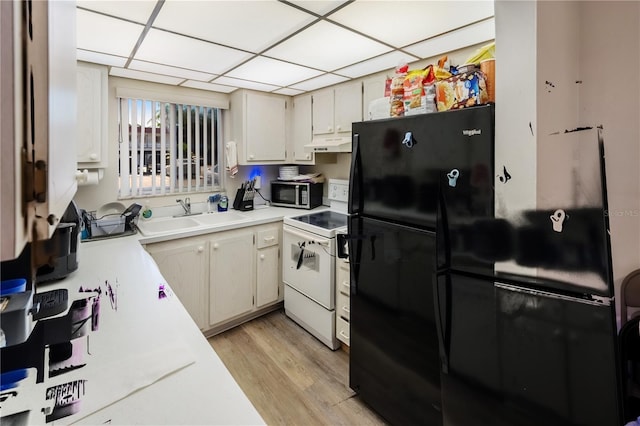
<point>168,148</point>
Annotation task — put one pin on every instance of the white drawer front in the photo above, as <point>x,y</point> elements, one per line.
<point>343,308</point>
<point>267,238</point>
<point>343,277</point>
<point>342,330</point>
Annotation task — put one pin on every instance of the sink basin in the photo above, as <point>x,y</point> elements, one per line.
<point>160,226</point>
<point>220,218</point>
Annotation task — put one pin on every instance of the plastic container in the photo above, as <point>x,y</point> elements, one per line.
<point>108,225</point>
<point>488,68</point>
<point>223,204</point>
<point>17,285</point>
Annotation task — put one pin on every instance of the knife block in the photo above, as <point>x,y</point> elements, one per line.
<point>244,200</point>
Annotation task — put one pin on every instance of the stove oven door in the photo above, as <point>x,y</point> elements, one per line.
<point>308,265</point>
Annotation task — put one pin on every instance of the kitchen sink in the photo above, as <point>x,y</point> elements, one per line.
<point>162,225</point>
<point>220,218</point>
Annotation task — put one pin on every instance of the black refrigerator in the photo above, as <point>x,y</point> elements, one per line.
<point>525,296</point>
<point>394,196</point>
<point>463,316</point>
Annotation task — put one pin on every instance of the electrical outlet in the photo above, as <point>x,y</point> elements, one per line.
<point>258,182</point>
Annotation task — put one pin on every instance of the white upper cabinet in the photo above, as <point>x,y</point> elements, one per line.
<point>92,116</point>
<point>301,131</point>
<point>258,126</point>
<point>348,106</point>
<point>334,109</point>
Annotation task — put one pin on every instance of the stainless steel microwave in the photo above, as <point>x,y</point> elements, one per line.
<point>299,195</point>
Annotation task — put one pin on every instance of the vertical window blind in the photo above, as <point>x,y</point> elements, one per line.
<point>168,148</point>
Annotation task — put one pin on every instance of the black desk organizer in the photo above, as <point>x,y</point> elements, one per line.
<point>244,199</point>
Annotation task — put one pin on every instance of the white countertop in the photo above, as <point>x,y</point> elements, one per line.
<point>255,217</point>
<point>148,363</point>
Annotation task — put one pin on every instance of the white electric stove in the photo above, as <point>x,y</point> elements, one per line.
<point>308,269</point>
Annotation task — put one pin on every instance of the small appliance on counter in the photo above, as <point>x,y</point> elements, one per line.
<point>61,250</point>
<point>296,194</point>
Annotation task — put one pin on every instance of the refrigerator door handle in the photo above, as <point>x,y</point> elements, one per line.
<point>443,236</point>
<point>355,177</point>
<point>593,300</point>
<point>442,287</point>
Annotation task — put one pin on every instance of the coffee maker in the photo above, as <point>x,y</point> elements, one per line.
<point>61,250</point>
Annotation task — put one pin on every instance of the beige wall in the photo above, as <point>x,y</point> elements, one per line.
<point>590,52</point>
<point>610,96</point>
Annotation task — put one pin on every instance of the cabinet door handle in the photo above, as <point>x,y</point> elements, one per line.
<point>262,257</point>
<point>346,309</point>
<point>330,129</point>
<point>216,246</point>
<point>338,128</point>
<point>343,334</point>
<point>346,284</point>
<point>308,156</point>
<point>200,249</point>
<point>251,157</point>
<point>267,239</point>
<point>93,156</point>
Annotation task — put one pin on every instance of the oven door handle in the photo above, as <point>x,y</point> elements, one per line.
<point>308,237</point>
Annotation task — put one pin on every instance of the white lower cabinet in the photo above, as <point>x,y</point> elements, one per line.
<point>185,265</point>
<point>231,277</point>
<point>224,276</point>
<point>343,304</point>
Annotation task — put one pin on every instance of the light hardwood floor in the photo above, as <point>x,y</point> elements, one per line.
<point>289,376</point>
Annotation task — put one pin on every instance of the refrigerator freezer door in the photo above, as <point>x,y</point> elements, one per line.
<point>398,162</point>
<point>469,351</point>
<point>394,360</point>
<point>558,359</point>
<point>565,241</point>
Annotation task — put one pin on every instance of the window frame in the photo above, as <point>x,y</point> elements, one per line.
<point>178,183</point>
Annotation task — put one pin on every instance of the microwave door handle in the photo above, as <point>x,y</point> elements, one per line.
<point>297,195</point>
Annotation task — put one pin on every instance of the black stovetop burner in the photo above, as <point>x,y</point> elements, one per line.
<point>327,219</point>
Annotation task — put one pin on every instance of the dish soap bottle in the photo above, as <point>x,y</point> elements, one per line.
<point>223,205</point>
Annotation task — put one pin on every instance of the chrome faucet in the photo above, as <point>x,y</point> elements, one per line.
<point>186,205</point>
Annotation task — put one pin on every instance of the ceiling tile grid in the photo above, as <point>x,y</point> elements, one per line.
<point>287,47</point>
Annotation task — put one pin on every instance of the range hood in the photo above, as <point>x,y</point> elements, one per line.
<point>329,144</point>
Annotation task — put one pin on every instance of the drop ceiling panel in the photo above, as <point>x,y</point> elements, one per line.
<point>272,71</point>
<point>146,76</point>
<point>172,71</point>
<point>208,86</point>
<point>384,62</point>
<point>416,20</point>
<point>102,34</point>
<point>245,84</point>
<point>137,11</point>
<point>288,91</point>
<point>319,82</point>
<point>327,47</point>
<point>184,52</point>
<point>248,25</point>
<point>467,36</point>
<point>320,7</point>
<point>100,58</point>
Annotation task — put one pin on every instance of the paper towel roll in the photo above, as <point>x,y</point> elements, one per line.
<point>86,177</point>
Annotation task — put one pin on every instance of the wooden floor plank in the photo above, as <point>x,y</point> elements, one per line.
<point>290,376</point>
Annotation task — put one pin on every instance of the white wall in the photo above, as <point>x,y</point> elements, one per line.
<point>91,197</point>
<point>610,96</point>
<point>562,65</point>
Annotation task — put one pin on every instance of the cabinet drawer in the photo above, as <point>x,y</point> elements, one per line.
<point>267,238</point>
<point>343,306</point>
<point>342,330</point>
<point>343,277</point>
